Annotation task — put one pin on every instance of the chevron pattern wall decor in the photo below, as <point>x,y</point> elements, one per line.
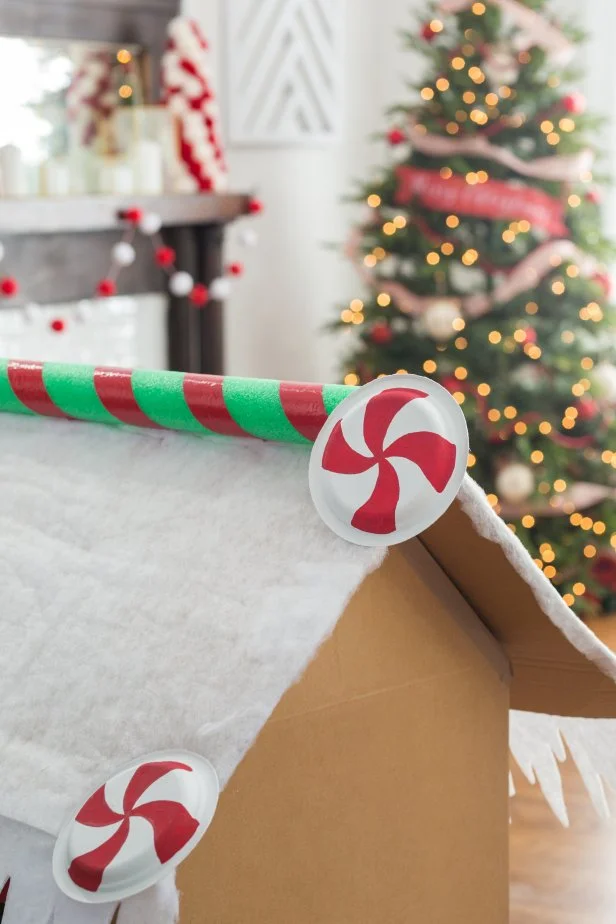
<point>284,70</point>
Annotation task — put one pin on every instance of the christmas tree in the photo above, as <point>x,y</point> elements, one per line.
<point>483,267</point>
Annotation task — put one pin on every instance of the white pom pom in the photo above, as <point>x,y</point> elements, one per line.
<point>181,284</point>
<point>439,318</point>
<point>150,223</point>
<point>515,483</point>
<point>220,289</point>
<point>123,253</point>
<point>248,237</point>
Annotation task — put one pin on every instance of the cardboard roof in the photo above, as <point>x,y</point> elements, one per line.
<point>558,665</point>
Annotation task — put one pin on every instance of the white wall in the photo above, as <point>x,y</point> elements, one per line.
<point>292,281</point>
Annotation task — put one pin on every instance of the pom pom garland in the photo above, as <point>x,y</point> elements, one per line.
<point>199,295</point>
<point>220,289</point>
<point>106,288</point>
<point>181,284</point>
<point>150,223</point>
<point>9,286</point>
<point>57,325</point>
<point>235,269</point>
<point>164,256</point>
<point>123,253</point>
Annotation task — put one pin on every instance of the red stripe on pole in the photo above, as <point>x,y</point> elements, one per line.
<point>26,380</point>
<point>205,399</point>
<point>304,408</point>
<point>5,891</point>
<point>114,387</point>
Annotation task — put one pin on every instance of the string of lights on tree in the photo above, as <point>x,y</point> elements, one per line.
<point>480,240</point>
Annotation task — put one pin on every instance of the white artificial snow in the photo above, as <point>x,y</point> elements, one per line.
<point>538,741</point>
<point>157,590</point>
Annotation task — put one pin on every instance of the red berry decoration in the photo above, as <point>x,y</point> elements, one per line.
<point>164,256</point>
<point>428,33</point>
<point>255,206</point>
<point>530,335</point>
<point>133,215</point>
<point>587,408</point>
<point>603,280</point>
<point>199,295</point>
<point>235,269</point>
<point>106,288</point>
<point>575,103</point>
<point>396,136</point>
<point>9,286</point>
<point>57,325</point>
<point>381,332</point>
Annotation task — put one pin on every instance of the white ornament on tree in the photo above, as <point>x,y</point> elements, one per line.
<point>501,66</point>
<point>515,483</point>
<point>467,279</point>
<point>123,253</point>
<point>220,289</point>
<point>181,284</point>
<point>604,377</point>
<point>438,319</point>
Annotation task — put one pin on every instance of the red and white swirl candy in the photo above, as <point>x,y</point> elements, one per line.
<point>135,829</point>
<point>389,461</point>
<point>189,95</point>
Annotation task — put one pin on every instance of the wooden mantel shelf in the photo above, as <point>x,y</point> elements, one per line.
<point>100,213</point>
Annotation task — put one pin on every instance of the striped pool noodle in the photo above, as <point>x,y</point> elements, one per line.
<point>290,412</point>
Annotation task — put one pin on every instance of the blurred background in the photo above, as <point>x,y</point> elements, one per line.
<point>197,187</point>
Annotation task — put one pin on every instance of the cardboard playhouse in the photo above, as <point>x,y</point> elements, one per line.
<point>343,636</point>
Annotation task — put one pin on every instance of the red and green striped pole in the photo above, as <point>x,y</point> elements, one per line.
<point>291,412</point>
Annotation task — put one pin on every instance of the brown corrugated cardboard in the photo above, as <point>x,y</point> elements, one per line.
<point>377,792</point>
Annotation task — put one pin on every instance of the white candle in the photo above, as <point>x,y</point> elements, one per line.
<point>148,163</point>
<point>13,176</point>
<point>116,178</point>
<point>57,178</point>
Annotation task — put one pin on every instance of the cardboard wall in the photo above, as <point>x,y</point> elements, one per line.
<point>377,792</point>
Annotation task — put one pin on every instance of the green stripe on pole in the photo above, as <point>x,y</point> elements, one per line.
<point>71,388</point>
<point>255,405</point>
<point>161,398</point>
<point>333,395</point>
<point>9,402</point>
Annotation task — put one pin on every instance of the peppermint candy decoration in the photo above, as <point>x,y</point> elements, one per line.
<point>90,97</point>
<point>136,828</point>
<point>188,93</point>
<point>389,461</point>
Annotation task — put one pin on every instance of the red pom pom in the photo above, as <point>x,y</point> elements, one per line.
<point>381,332</point>
<point>235,269</point>
<point>575,103</point>
<point>396,136</point>
<point>594,196</point>
<point>255,206</point>
<point>605,282</point>
<point>57,325</point>
<point>428,32</point>
<point>530,335</point>
<point>9,286</point>
<point>106,288</point>
<point>164,256</point>
<point>133,215</point>
<point>199,295</point>
<point>587,408</point>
